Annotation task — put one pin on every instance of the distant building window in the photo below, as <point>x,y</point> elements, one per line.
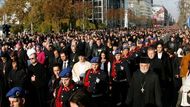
<point>97,9</point>
<point>97,3</point>
<point>98,15</point>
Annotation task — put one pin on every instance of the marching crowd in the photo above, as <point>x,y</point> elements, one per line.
<point>115,68</point>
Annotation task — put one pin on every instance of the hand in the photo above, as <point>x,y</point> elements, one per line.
<point>122,68</point>
<point>110,87</point>
<point>33,78</point>
<point>57,76</point>
<point>188,94</point>
<point>177,76</point>
<point>97,80</point>
<point>54,93</point>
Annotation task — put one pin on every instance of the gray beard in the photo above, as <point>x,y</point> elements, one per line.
<point>144,71</point>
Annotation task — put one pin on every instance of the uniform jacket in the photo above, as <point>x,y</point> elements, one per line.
<point>63,94</point>
<point>96,82</point>
<point>120,71</point>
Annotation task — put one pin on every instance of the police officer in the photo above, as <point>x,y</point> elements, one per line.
<point>16,97</point>
<point>96,82</point>
<point>66,88</point>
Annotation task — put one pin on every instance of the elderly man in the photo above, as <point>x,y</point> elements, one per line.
<point>145,88</point>
<point>16,97</point>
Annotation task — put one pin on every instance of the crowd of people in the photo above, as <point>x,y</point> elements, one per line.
<point>116,68</point>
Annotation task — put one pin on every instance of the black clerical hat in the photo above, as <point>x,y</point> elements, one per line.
<point>144,60</point>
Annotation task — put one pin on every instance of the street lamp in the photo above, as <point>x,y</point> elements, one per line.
<point>126,21</point>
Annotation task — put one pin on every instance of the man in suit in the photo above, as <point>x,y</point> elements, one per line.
<point>64,63</point>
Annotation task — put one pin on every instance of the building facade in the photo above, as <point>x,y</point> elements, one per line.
<point>160,15</point>
<point>102,9</point>
<point>184,6</point>
<point>141,7</point>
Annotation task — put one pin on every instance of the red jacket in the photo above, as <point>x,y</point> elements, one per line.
<point>113,70</point>
<point>61,90</point>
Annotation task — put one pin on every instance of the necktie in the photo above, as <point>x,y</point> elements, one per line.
<point>64,64</point>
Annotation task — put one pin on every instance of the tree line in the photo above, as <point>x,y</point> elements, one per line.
<point>47,15</point>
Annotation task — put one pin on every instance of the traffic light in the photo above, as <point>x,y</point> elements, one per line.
<point>6,29</point>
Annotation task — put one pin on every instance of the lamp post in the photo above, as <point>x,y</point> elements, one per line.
<point>126,21</point>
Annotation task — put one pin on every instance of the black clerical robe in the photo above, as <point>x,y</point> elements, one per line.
<point>144,90</point>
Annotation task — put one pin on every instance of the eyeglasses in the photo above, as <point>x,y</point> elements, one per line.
<point>31,58</point>
<point>159,47</point>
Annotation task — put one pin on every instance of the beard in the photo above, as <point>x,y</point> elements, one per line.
<point>144,70</point>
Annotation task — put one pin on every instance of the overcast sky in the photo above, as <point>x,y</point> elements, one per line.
<point>171,6</point>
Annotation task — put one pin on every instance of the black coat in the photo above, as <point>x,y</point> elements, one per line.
<point>4,76</point>
<point>17,78</point>
<point>151,86</point>
<point>73,58</point>
<point>176,71</point>
<point>49,57</point>
<point>157,67</point>
<point>39,71</point>
<point>52,85</point>
<point>61,64</point>
<point>165,60</point>
<point>37,88</point>
<point>22,58</point>
<point>7,66</point>
<point>97,50</point>
<point>88,51</point>
<point>1,92</point>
